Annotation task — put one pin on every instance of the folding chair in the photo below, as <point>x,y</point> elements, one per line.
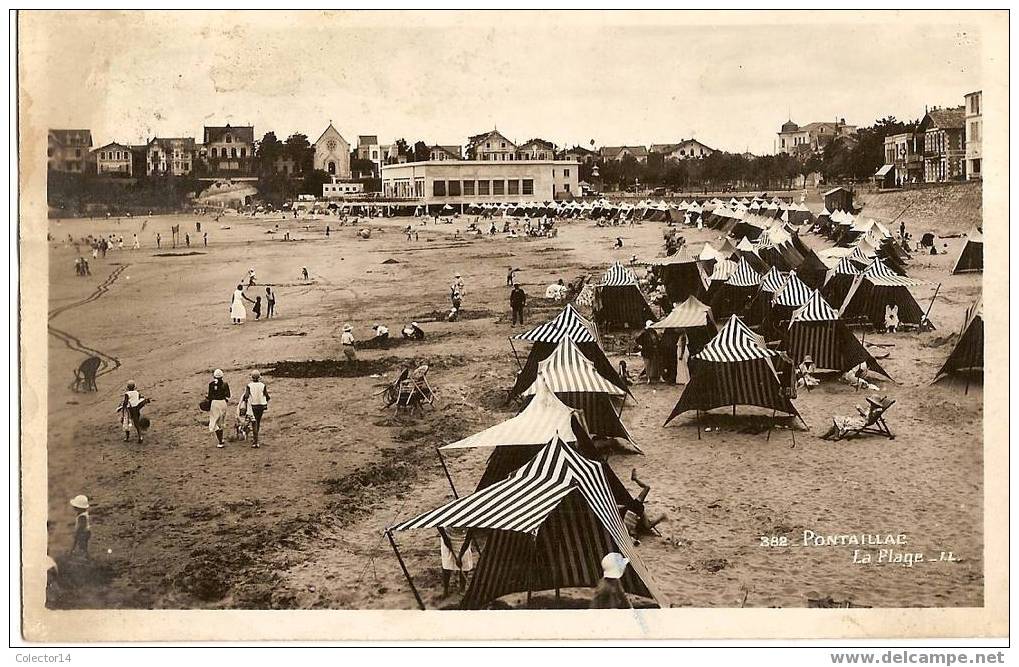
<point>85,375</point>
<point>415,390</point>
<point>874,423</point>
<point>391,391</point>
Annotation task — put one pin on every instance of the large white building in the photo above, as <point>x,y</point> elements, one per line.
<point>480,181</point>
<point>974,127</point>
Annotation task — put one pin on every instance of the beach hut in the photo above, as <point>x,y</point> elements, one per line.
<point>682,275</point>
<point>839,281</point>
<point>569,323</point>
<point>545,528</point>
<point>792,295</point>
<point>971,259</point>
<point>815,329</point>
<point>734,368</point>
<point>691,319</point>
<point>619,301</point>
<point>574,380</point>
<point>967,358</point>
<point>839,199</point>
<point>759,308</point>
<point>878,287</point>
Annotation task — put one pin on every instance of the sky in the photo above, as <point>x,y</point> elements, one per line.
<point>729,80</point>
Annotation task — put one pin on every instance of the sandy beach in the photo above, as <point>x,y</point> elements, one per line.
<point>298,523</point>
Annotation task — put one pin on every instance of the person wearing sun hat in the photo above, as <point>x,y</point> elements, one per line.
<point>805,373</point>
<point>218,396</point>
<point>82,526</point>
<point>347,340</point>
<point>610,594</point>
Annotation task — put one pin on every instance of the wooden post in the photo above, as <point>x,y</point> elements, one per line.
<point>406,574</point>
<point>533,563</point>
<point>446,470</point>
<point>698,424</point>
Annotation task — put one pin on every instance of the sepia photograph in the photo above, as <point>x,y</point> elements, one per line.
<point>391,312</point>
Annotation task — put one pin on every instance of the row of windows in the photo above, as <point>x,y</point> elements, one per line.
<point>486,187</point>
<point>233,152</point>
<point>114,155</point>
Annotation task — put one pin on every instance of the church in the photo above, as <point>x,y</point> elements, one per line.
<point>332,153</point>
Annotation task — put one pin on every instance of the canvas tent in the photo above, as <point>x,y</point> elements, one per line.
<point>968,354</point>
<point>873,290</point>
<point>734,368</point>
<point>815,329</point>
<point>733,295</point>
<point>691,319</point>
<point>619,301</point>
<point>569,323</point>
<point>971,259</point>
<point>573,378</point>
<point>838,281</point>
<point>682,275</point>
<point>546,527</point>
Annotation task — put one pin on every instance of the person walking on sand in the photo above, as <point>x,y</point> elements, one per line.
<point>131,411</point>
<point>237,311</point>
<point>256,397</point>
<point>270,302</point>
<point>205,239</point>
<point>610,594</point>
<point>257,307</point>
<point>136,245</point>
<point>347,341</point>
<point>82,527</point>
<point>219,394</point>
<point>159,240</point>
<point>649,343</point>
<point>187,239</point>
<point>518,299</point>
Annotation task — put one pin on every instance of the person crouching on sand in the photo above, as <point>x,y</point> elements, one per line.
<point>219,394</point>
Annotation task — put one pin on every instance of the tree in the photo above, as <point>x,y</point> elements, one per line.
<point>300,151</point>
<point>269,148</point>
<point>313,182</point>
<point>421,151</point>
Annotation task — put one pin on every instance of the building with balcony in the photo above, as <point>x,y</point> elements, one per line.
<point>481,181</point>
<point>904,152</point>
<point>804,140</point>
<point>229,152</point>
<point>491,146</point>
<point>114,160</point>
<point>69,151</point>
<point>165,156</point>
<point>536,149</point>
<point>944,144</point>
<point>974,130</point>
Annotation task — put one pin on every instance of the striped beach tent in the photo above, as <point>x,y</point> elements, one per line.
<point>875,289</point>
<point>545,527</point>
<point>734,368</point>
<point>794,293</point>
<point>515,441</point>
<point>575,381</point>
<point>838,281</point>
<point>619,301</point>
<point>734,294</point>
<point>682,275</point>
<point>816,330</point>
<point>568,324</point>
<point>968,355</point>
<point>759,310</point>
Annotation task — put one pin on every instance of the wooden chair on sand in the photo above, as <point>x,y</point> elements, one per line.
<point>414,391</point>
<point>85,375</point>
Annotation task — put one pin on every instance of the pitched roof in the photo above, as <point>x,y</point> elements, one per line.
<point>82,138</point>
<point>544,418</point>
<point>690,313</point>
<point>478,138</point>
<point>614,151</point>
<point>946,119</point>
<point>367,139</point>
<point>734,342</point>
<point>618,275</point>
<point>568,370</point>
<point>794,293</point>
<point>216,133</point>
<point>569,323</point>
<point>326,131</point>
<point>540,142</point>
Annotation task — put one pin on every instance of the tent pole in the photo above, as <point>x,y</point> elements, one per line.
<point>770,425</point>
<point>931,305</point>
<point>446,470</point>
<point>530,570</point>
<point>698,424</point>
<point>513,347</point>
<point>406,574</point>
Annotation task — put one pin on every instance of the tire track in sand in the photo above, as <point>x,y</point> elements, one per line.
<point>108,362</point>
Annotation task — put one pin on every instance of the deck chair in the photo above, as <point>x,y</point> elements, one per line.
<point>415,391</point>
<point>873,422</point>
<point>85,375</point>
<point>390,392</point>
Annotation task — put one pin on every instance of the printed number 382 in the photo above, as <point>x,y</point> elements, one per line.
<point>774,541</point>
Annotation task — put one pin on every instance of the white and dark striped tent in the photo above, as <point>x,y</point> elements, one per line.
<point>873,290</point>
<point>794,293</point>
<point>619,301</point>
<point>968,355</point>
<point>839,281</point>
<point>575,381</point>
<point>515,441</point>
<point>733,296</point>
<point>568,324</point>
<point>545,527</point>
<point>815,329</point>
<point>758,312</point>
<point>734,368</point>
<point>971,258</point>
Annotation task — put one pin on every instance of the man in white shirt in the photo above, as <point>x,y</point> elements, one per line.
<point>347,340</point>
<point>256,396</point>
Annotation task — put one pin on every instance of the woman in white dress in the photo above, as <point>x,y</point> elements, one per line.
<point>237,311</point>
